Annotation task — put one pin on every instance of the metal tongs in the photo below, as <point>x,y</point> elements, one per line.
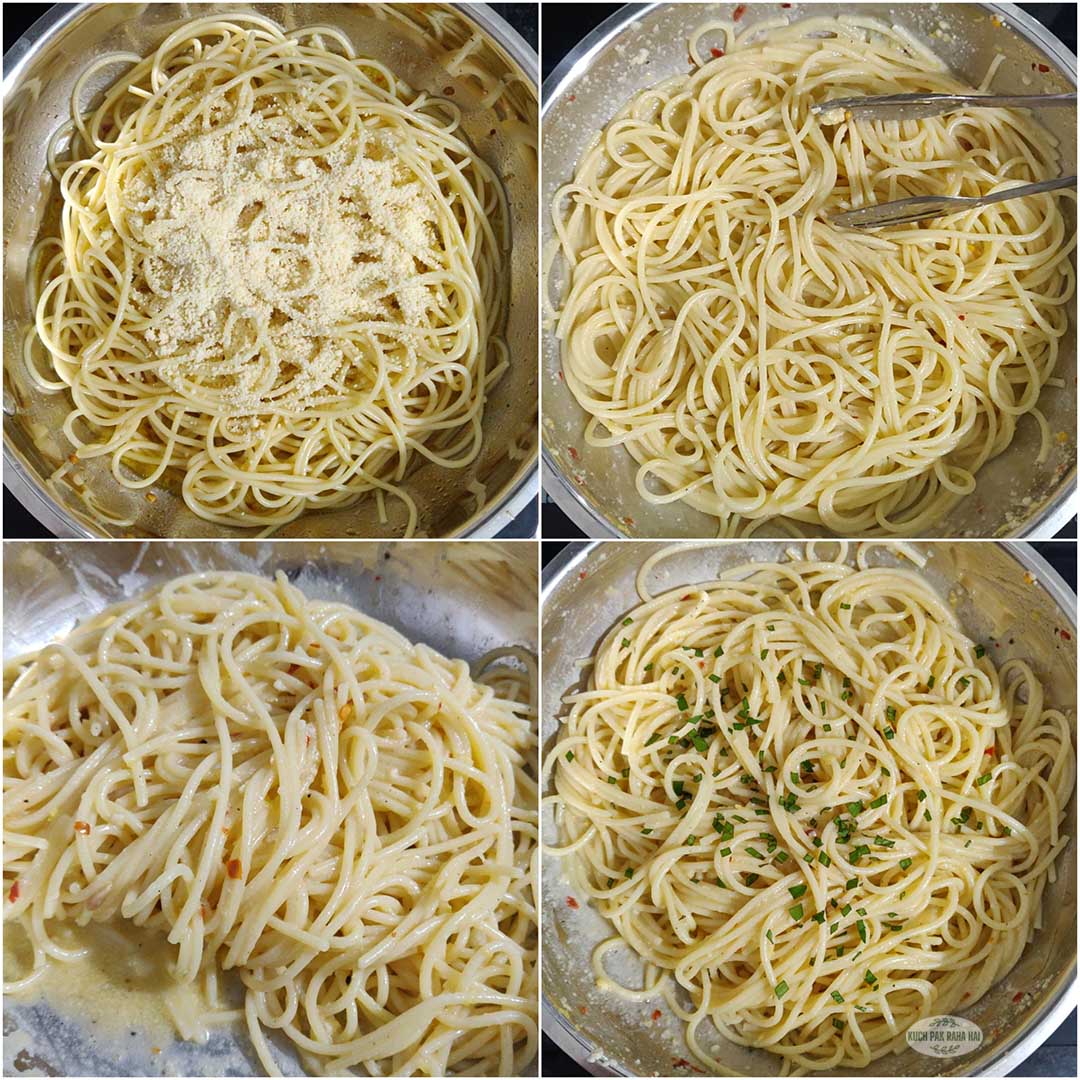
<point>920,106</point>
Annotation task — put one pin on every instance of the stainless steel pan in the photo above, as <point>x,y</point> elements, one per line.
<point>642,44</point>
<point>460,598</point>
<point>1004,591</point>
<point>416,41</point>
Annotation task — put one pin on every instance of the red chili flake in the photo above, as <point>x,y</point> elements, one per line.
<point>448,91</point>
<point>583,1010</point>
<point>1043,68</point>
<point>961,317</point>
<point>232,868</point>
<point>582,576</point>
<point>82,828</point>
<point>629,521</point>
<point>561,377</point>
<point>378,577</point>
<point>13,894</point>
<point>572,903</point>
<point>1066,635</point>
<point>688,597</point>
<point>738,13</point>
<point>785,5</point>
<point>574,454</point>
<point>989,749</point>
<point>681,1063</point>
<point>656,1014</point>
<point>572,97</point>
<point>1018,996</point>
<point>717,53</point>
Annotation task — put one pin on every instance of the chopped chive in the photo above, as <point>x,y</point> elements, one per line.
<point>569,755</point>
<point>796,912</point>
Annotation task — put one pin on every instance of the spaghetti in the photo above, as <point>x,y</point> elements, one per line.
<point>758,362</point>
<point>291,791</point>
<point>276,278</point>
<point>814,808</point>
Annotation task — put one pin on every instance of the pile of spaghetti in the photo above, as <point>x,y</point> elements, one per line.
<point>275,280</point>
<point>758,361</point>
<point>812,805</point>
<point>288,790</point>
